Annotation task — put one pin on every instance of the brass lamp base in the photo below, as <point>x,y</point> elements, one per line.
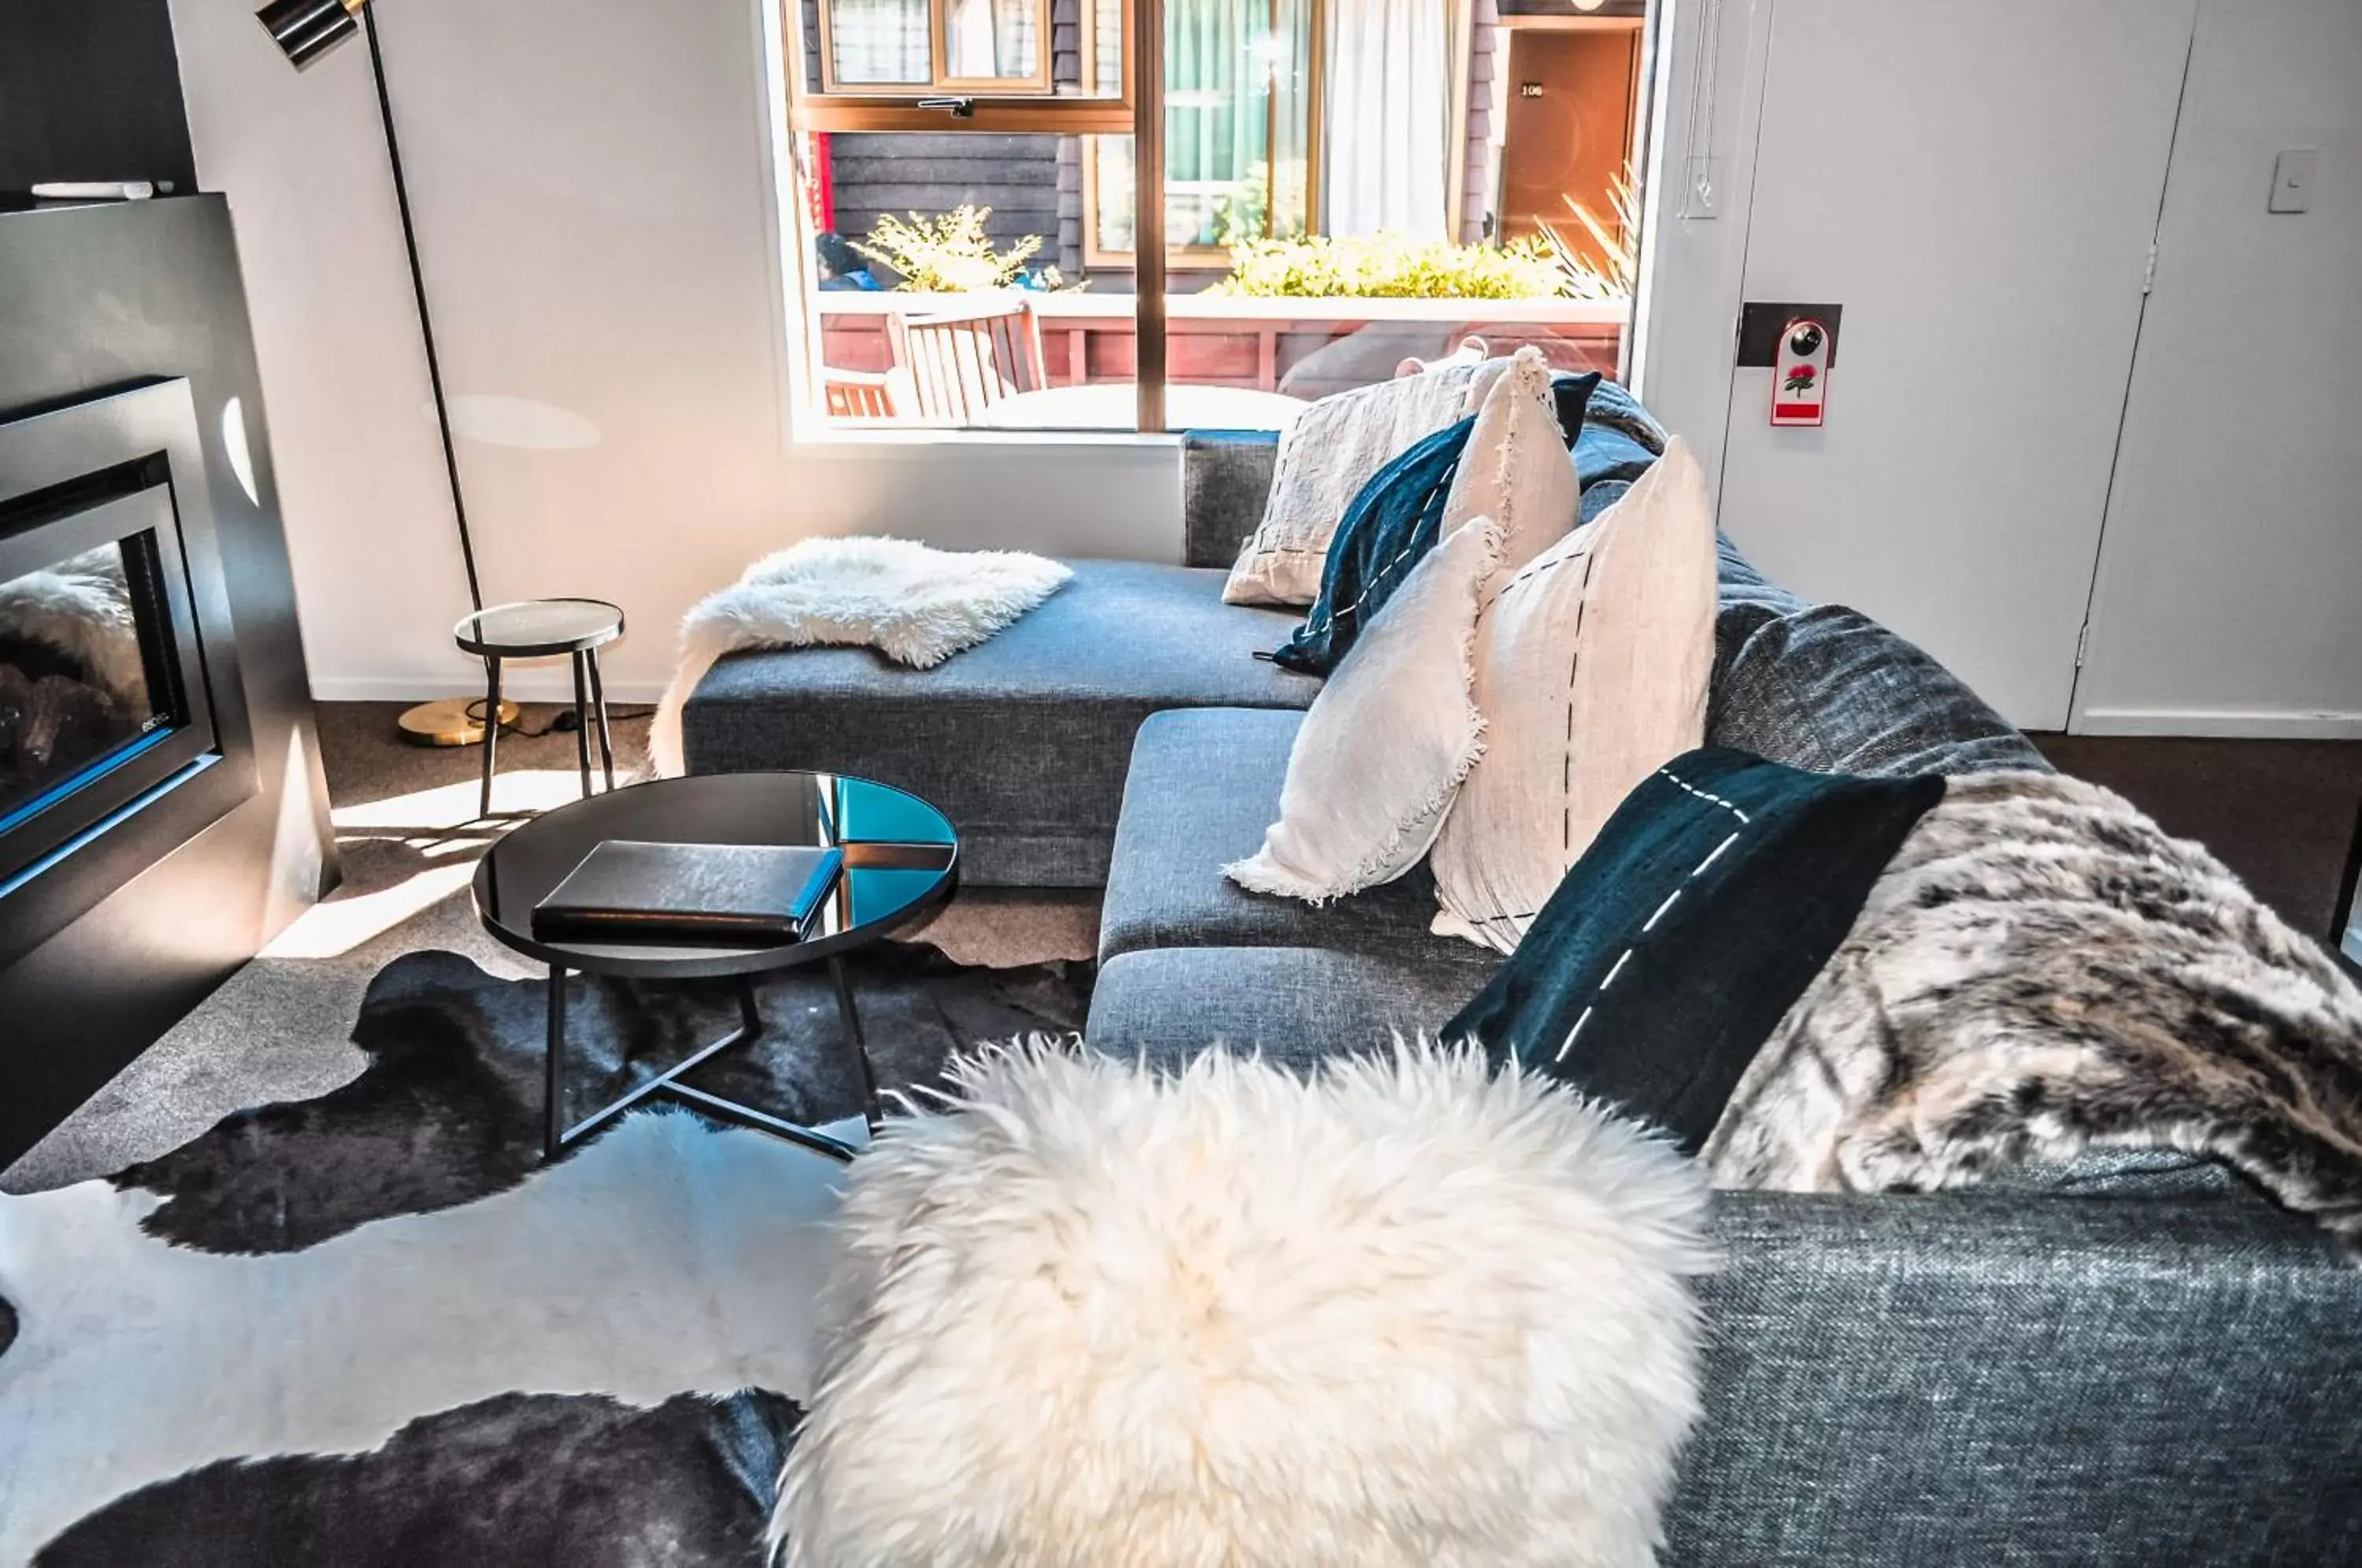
<point>451,721</point>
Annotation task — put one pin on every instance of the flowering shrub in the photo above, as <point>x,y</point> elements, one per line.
<point>950,253</point>
<point>1388,266</point>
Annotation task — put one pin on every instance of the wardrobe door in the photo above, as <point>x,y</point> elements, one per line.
<point>2229,593</point>
<point>1978,186</point>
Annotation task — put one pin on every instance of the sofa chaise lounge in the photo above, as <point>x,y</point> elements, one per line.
<point>2135,1359</point>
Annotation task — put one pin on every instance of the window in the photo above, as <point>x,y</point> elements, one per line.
<point>1288,118</point>
<point>935,44</point>
<point>1346,185</point>
<point>992,64</point>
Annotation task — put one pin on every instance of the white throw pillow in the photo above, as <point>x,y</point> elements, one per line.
<point>1388,740</point>
<point>1325,458</point>
<point>1592,669</point>
<point>1515,469</point>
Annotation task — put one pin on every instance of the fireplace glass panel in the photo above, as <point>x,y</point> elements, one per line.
<point>87,678</point>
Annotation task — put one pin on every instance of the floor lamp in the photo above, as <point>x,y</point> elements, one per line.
<point>306,30</point>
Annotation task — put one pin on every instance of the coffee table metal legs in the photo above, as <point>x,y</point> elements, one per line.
<point>557,1136</point>
<point>851,1019</point>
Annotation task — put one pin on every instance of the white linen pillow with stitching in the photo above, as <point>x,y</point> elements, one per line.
<point>1388,740</point>
<point>1325,458</point>
<point>1591,670</point>
<point>1515,469</point>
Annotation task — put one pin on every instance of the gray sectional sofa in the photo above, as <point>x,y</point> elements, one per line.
<point>2136,1360</point>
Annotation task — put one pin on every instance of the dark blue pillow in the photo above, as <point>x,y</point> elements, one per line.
<point>1388,529</point>
<point>1691,925</point>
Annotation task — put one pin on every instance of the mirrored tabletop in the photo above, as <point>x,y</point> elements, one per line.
<point>902,858</point>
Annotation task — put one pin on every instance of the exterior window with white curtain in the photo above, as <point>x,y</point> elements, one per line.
<point>1386,118</point>
<point>1343,188</point>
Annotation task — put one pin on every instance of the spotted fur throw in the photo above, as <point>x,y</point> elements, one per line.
<point>2043,970</point>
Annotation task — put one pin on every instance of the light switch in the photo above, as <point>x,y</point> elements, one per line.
<point>2292,175</point>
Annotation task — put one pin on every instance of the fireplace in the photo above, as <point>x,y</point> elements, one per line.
<point>102,688</point>
<point>117,746</point>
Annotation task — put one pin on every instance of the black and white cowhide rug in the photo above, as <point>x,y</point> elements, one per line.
<point>373,1328</point>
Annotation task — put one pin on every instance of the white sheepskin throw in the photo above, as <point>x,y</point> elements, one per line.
<point>1400,1315</point>
<point>913,603</point>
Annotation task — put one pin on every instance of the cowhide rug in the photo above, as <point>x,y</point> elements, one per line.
<point>373,1328</point>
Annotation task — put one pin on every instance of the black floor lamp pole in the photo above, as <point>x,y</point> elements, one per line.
<point>425,321</point>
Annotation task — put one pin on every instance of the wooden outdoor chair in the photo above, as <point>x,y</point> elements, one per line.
<point>958,364</point>
<point>857,395</point>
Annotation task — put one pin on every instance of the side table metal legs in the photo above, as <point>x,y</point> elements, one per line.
<point>557,1135</point>
<point>491,729</point>
<point>590,707</point>
<point>599,702</point>
<point>587,705</point>
<point>582,728</point>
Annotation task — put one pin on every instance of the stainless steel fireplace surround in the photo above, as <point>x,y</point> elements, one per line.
<point>163,807</point>
<point>122,722</point>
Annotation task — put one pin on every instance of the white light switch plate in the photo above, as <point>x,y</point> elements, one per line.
<point>2292,176</point>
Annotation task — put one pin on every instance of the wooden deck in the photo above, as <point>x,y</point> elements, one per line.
<point>1306,349</point>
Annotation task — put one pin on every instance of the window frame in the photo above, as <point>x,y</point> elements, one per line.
<point>991,104</point>
<point>1036,83</point>
<point>1316,88</point>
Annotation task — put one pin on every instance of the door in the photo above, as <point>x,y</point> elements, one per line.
<point>1567,127</point>
<point>1978,186</point>
<point>2230,592</point>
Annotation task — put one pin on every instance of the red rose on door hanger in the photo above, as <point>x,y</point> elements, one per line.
<point>1801,378</point>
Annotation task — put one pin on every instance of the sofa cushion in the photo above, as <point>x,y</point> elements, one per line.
<point>1327,457</point>
<point>1591,668</point>
<point>1023,740</point>
<point>1225,479</point>
<point>1203,784</point>
<point>1383,749</point>
<point>1830,690</point>
<point>1660,965</point>
<point>1296,1005</point>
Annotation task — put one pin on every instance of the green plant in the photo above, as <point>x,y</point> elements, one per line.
<point>950,253</point>
<point>1388,266</point>
<point>1583,278</point>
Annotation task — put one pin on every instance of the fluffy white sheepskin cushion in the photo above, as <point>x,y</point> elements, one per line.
<point>913,603</point>
<point>1400,1315</point>
<point>1592,666</point>
<point>1387,739</point>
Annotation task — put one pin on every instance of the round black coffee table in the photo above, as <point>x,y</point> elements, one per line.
<point>544,628</point>
<point>901,859</point>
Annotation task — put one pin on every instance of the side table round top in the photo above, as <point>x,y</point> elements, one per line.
<point>902,858</point>
<point>533,628</point>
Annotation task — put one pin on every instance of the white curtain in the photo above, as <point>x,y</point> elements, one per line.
<point>880,40</point>
<point>1384,137</point>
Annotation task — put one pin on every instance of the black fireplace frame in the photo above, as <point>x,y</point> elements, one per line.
<point>138,449</point>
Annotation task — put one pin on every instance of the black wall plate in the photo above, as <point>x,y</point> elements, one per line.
<point>1758,329</point>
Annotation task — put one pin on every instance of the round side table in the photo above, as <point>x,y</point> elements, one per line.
<point>542,628</point>
<point>901,859</point>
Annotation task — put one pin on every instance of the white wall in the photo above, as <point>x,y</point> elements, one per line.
<point>2230,589</point>
<point>593,195</point>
